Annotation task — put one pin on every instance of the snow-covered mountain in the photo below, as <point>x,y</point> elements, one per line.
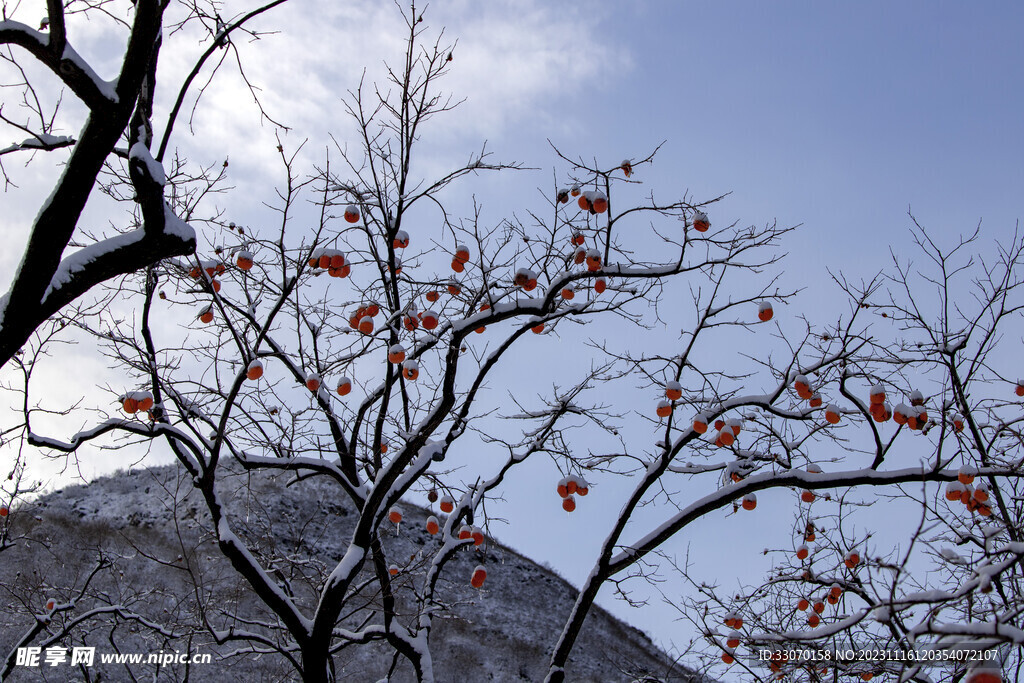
<point>146,530</point>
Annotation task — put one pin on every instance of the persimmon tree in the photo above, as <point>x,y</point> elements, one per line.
<point>353,344</point>
<point>835,425</point>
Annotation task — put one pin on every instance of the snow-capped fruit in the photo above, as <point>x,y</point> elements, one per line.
<point>958,423</point>
<point>401,240</point>
<point>575,191</point>
<point>899,413</point>
<point>954,491</point>
<point>410,370</point>
<point>852,559</point>
<point>563,487</point>
<point>571,484</point>
<point>803,387</point>
<point>582,488</point>
<point>465,533</point>
<point>877,394</point>
<point>352,213</point>
<point>816,400</point>
<point>344,386</point>
<point>733,620</point>
<point>600,284</point>
<point>215,284</point>
<point>130,404</point>
<point>569,503</point>
<point>568,292</point>
<point>600,202</point>
<point>366,325</point>
<point>313,382</point>
<point>479,576</point>
<point>835,590</point>
<point>916,398</point>
<point>562,196</point>
<point>832,414</point>
<point>453,287</point>
<point>700,423</point>
<point>432,525</point>
<point>396,354</point>
<point>819,607</point>
<point>244,260</point>
<point>429,319</point>
<point>477,535</point>
<point>51,605</point>
<point>206,315</point>
<point>802,552</point>
<point>447,504</point>
<point>664,409</point>
<point>765,312</point>
<point>673,390</point>
<point>593,260</point>
<point>627,170</point>
<point>586,201</point>
<point>922,418</point>
<point>807,496</point>
<point>411,322</point>
<point>525,278</point>
<point>1020,388</point>
<point>393,570</point>
<point>577,239</point>
<point>749,502</point>
<point>462,254</point>
<point>966,474</point>
<point>981,492</point>
<point>433,296</point>
<point>733,640</point>
<point>725,438</point>
<point>395,515</point>
<point>881,412</point>
<point>814,468</point>
<point>701,222</point>
<point>538,328</point>
<point>254,371</point>
<point>580,255</point>
<point>735,424</point>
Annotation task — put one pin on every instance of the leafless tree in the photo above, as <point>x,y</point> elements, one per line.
<point>349,352</point>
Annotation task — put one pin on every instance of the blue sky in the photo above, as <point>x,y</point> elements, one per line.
<point>836,116</point>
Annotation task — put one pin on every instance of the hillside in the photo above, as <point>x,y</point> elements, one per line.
<point>149,534</point>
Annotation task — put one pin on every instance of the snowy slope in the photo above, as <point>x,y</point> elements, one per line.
<point>502,632</point>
